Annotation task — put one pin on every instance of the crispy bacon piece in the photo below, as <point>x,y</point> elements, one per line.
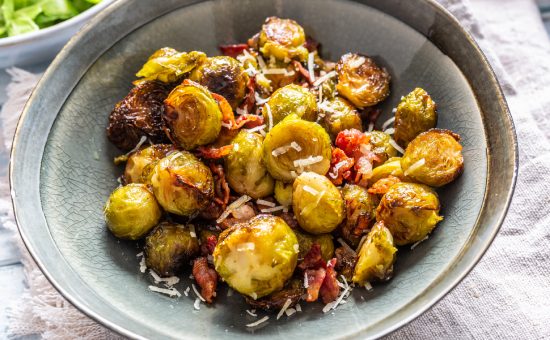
<point>300,68</point>
<point>250,98</point>
<point>221,188</point>
<point>383,185</point>
<point>340,166</point>
<point>206,278</point>
<point>232,50</point>
<point>330,290</point>
<point>207,247</point>
<point>313,258</point>
<point>293,291</point>
<point>249,120</point>
<point>227,112</point>
<point>315,278</point>
<point>211,152</point>
<point>346,260</point>
<point>350,142</point>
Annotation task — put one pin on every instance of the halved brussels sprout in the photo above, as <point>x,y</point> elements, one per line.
<point>283,39</point>
<point>192,115</point>
<point>256,258</point>
<point>244,167</point>
<point>139,163</point>
<point>168,65</point>
<point>433,158</point>
<point>295,146</point>
<point>283,193</point>
<point>361,81</point>
<point>415,114</point>
<point>169,248</point>
<point>131,211</point>
<point>306,240</point>
<point>376,256</point>
<point>410,211</point>
<point>291,99</point>
<point>381,146</point>
<point>223,75</point>
<point>317,203</point>
<point>337,115</point>
<point>391,167</point>
<point>360,213</point>
<point>182,184</point>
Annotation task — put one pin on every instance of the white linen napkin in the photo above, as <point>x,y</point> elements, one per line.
<point>506,296</point>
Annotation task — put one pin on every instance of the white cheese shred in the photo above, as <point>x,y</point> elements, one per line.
<point>368,286</point>
<point>396,146</point>
<point>142,265</point>
<point>239,202</point>
<point>290,311</point>
<point>251,313</point>
<point>283,309</point>
<point>300,163</point>
<point>197,293</point>
<point>324,78</point>
<point>168,291</point>
<point>275,71</point>
<point>257,128</point>
<point>389,131</point>
<point>277,208</point>
<point>261,62</point>
<point>138,145</point>
<point>310,66</point>
<point>417,243</point>
<point>280,150</point>
<point>265,203</point>
<point>197,304</point>
<point>168,281</point>
<point>192,231</point>
<point>415,166</point>
<point>260,100</point>
<point>310,190</point>
<point>186,291</point>
<point>361,241</point>
<point>388,123</point>
<point>298,307</point>
<point>262,320</point>
<point>296,146</point>
<point>306,281</point>
<point>270,117</point>
<point>371,127</point>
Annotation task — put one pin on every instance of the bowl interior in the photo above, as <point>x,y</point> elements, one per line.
<point>77,173</point>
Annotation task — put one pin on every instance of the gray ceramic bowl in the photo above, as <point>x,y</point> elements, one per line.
<point>62,170</point>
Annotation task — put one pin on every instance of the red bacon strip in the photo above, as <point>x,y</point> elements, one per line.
<point>232,50</point>
<point>315,278</point>
<point>206,278</point>
<point>330,290</point>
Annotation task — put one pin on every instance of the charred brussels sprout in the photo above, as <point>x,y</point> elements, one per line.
<point>245,169</point>
<point>381,146</point>
<point>168,65</point>
<point>192,115</point>
<point>132,211</point>
<point>169,248</point>
<point>139,114</point>
<point>338,114</point>
<point>294,146</point>
<point>306,240</point>
<point>283,193</point>
<point>283,39</point>
<point>376,256</point>
<point>182,184</point>
<point>140,163</point>
<point>360,213</point>
<point>256,258</point>
<point>317,203</point>
<point>222,75</point>
<point>415,114</point>
<point>291,99</point>
<point>361,81</point>
<point>433,158</point>
<point>410,211</point>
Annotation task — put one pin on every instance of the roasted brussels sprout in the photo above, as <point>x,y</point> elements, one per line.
<point>376,256</point>
<point>410,211</point>
<point>139,114</point>
<point>293,291</point>
<point>132,211</point>
<point>337,115</point>
<point>360,213</point>
<point>294,146</point>
<point>244,166</point>
<point>168,65</point>
<point>391,167</point>
<point>182,184</point>
<point>317,203</point>
<point>169,248</point>
<point>306,240</point>
<point>283,193</point>
<point>288,100</point>
<point>361,81</point>
<point>192,116</point>
<point>224,76</point>
<point>283,39</point>
<point>433,158</point>
<point>141,162</point>
<point>381,146</point>
<point>256,258</point>
<point>415,114</point>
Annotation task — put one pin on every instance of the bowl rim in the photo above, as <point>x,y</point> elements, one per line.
<point>422,308</point>
<point>41,33</point>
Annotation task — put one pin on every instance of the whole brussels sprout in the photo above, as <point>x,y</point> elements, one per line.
<point>283,39</point>
<point>338,114</point>
<point>380,142</point>
<point>317,203</point>
<point>288,100</point>
<point>283,193</point>
<point>222,75</point>
<point>415,114</point>
<point>168,65</point>
<point>256,258</point>
<point>182,184</point>
<point>139,163</point>
<point>433,158</point>
<point>391,167</point>
<point>376,256</point>
<point>360,213</point>
<point>361,81</point>
<point>306,240</point>
<point>132,211</point>
<point>192,116</point>
<point>294,146</point>
<point>244,167</point>
<point>410,211</point>
<point>139,114</point>
<point>169,248</point>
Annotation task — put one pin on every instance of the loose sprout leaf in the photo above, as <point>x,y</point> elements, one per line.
<point>167,65</point>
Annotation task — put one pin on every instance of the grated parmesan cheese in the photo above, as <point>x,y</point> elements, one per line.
<point>357,62</point>
<point>310,66</point>
<point>138,145</point>
<point>290,311</point>
<point>168,291</point>
<point>388,122</point>
<point>257,128</point>
<point>251,313</point>
<point>239,202</point>
<point>298,307</point>
<point>197,293</point>
<point>265,203</point>
<point>296,248</point>
<point>242,111</point>
<point>142,265</point>
<point>371,127</point>
<point>283,309</point>
<point>306,281</point>
<point>368,286</point>
<point>246,246</point>
<point>270,116</point>
<point>197,303</point>
<point>415,166</point>
<point>261,62</point>
<point>361,241</point>
<point>396,146</point>
<point>275,71</point>
<point>296,146</point>
<point>277,208</point>
<point>389,131</point>
<point>300,163</point>
<point>260,100</point>
<point>192,231</point>
<point>310,190</point>
<point>168,281</point>
<point>417,243</point>
<point>262,320</point>
<point>280,150</point>
<point>186,291</point>
<point>324,78</point>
